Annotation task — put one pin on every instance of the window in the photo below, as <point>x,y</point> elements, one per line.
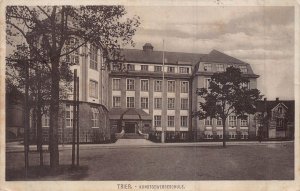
<point>144,85</point>
<point>130,84</point>
<point>144,67</point>
<point>279,110</point>
<point>69,116</point>
<point>220,134</point>
<point>157,85</point>
<point>244,122</point>
<point>171,103</point>
<point>208,135</point>
<point>130,102</point>
<point>184,104</point>
<point>245,85</point>
<point>157,68</point>
<point>243,69</point>
<point>46,120</point>
<point>130,67</point>
<point>280,124</point>
<point>144,103</point>
<point>220,68</point>
<point>171,121</point>
<point>171,86</point>
<point>171,69</point>
<point>157,103</point>
<point>207,67</point>
<point>244,135</point>
<point>72,57</point>
<point>219,122</point>
<point>207,83</point>
<point>116,101</point>
<point>184,87</point>
<point>93,89</point>
<point>95,118</point>
<point>157,120</point>
<point>93,58</point>
<point>183,121</point>
<point>232,135</point>
<point>232,121</point>
<point>116,84</point>
<point>183,70</point>
<point>208,121</point>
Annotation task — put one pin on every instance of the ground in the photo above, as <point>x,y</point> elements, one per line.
<point>236,162</point>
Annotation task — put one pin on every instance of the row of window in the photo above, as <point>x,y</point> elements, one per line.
<point>170,69</point>
<point>130,103</point>
<point>207,84</point>
<point>130,85</point>
<point>222,67</point>
<point>232,121</point>
<point>69,117</point>
<point>171,121</point>
<point>232,135</point>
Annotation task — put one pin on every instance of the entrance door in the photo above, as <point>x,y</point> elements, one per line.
<point>129,127</point>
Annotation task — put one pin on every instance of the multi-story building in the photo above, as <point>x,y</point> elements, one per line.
<point>149,95</point>
<point>168,104</point>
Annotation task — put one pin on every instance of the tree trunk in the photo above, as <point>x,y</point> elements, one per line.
<point>39,122</point>
<point>54,110</point>
<point>224,132</point>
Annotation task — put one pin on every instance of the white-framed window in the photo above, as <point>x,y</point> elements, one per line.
<point>244,122</point>
<point>208,134</point>
<point>279,110</point>
<point>69,115</point>
<point>130,84</point>
<point>184,102</point>
<point>157,103</point>
<point>207,83</point>
<point>183,70</point>
<point>157,120</point>
<point>171,69</point>
<point>220,134</point>
<point>171,103</point>
<point>93,57</point>
<point>46,119</point>
<point>95,117</point>
<point>171,86</point>
<point>243,69</point>
<point>145,85</point>
<point>158,85</point>
<point>116,101</point>
<point>116,83</point>
<point>157,68</point>
<point>232,135</point>
<point>232,121</point>
<point>183,121</point>
<point>245,85</point>
<point>220,68</point>
<point>171,120</point>
<point>130,67</point>
<point>72,57</point>
<point>207,67</point>
<point>144,67</point>
<point>244,135</point>
<point>219,122</point>
<point>144,103</point>
<point>130,102</point>
<point>184,87</point>
<point>93,87</point>
<point>208,121</point>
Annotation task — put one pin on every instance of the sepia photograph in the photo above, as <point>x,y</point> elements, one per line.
<point>139,92</point>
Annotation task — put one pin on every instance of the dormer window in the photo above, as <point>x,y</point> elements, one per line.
<point>183,70</point>
<point>144,67</point>
<point>207,67</point>
<point>130,67</point>
<point>243,69</point>
<point>171,69</point>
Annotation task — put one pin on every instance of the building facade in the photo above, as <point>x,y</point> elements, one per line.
<point>155,91</point>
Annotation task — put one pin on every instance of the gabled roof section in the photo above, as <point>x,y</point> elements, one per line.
<point>156,57</point>
<point>217,56</point>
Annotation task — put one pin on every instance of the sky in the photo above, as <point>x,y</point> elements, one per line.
<point>260,36</point>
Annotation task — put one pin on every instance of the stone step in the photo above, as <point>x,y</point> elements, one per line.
<point>132,136</point>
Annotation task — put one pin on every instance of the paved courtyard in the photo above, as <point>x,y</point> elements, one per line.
<point>236,162</point>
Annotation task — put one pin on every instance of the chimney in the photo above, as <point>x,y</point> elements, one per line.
<point>277,99</point>
<point>148,47</point>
